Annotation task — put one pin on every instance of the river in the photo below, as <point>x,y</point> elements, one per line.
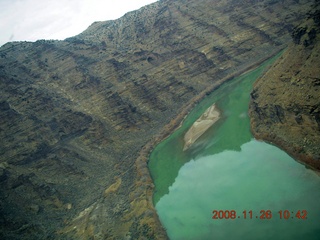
<point>229,185</point>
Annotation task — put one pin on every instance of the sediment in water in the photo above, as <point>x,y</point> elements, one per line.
<point>201,125</point>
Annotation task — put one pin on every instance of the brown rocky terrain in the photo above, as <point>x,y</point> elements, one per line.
<point>79,117</point>
<point>285,106</point>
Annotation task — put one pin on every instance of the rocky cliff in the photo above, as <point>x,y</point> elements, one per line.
<point>79,117</point>
<point>285,106</point>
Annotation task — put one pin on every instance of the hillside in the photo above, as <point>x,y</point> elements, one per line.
<point>78,117</point>
<point>285,106</point>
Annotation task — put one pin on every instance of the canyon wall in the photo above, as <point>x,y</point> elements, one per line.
<point>78,117</point>
<point>285,106</point>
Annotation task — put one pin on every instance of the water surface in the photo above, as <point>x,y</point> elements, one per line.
<point>228,169</point>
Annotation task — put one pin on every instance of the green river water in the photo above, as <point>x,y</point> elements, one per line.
<point>227,169</point>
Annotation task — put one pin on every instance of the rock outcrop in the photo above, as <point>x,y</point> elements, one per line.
<point>79,117</point>
<point>285,105</point>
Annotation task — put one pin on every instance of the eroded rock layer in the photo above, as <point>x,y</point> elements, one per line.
<point>285,106</point>
<point>78,117</point>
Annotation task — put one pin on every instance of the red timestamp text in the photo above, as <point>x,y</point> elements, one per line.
<point>262,214</point>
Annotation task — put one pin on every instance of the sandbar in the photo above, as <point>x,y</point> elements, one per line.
<point>201,125</point>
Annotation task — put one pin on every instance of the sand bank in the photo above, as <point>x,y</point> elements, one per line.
<point>201,125</point>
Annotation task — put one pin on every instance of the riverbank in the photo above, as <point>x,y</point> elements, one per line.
<point>284,109</point>
<point>227,164</point>
<point>141,197</point>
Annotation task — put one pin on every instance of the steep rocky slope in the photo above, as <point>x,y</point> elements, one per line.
<point>285,106</point>
<point>79,117</point>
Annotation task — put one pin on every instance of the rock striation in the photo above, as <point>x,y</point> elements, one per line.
<point>285,105</point>
<point>79,117</point>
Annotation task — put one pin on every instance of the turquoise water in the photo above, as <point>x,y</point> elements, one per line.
<point>257,177</point>
<point>228,169</point>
